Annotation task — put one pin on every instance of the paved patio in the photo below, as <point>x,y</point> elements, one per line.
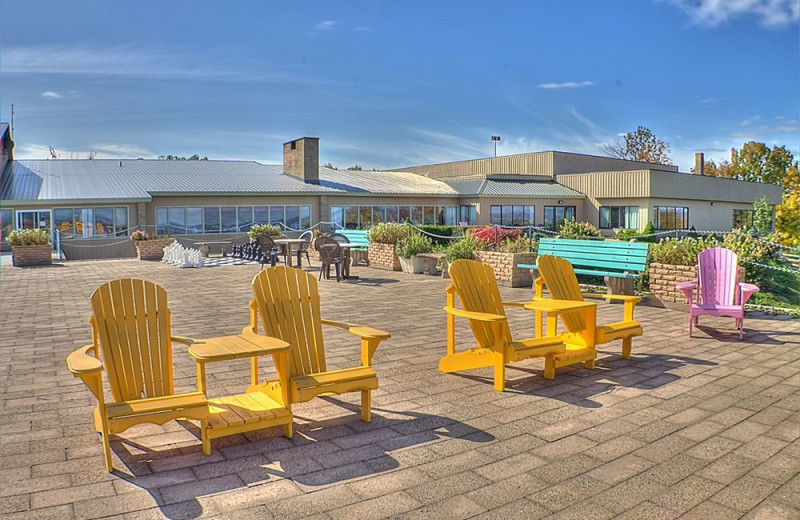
<point>703,428</point>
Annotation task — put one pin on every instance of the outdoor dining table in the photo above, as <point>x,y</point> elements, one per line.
<point>346,270</point>
<point>286,244</point>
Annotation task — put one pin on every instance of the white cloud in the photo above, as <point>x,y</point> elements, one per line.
<point>750,120</point>
<point>363,29</point>
<point>326,24</point>
<point>568,84</point>
<point>769,13</point>
<point>51,94</point>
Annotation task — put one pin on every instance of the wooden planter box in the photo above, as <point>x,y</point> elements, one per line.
<point>664,277</point>
<point>152,249</point>
<point>505,267</point>
<point>31,255</point>
<point>382,256</point>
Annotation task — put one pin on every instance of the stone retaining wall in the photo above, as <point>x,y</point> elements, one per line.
<point>505,267</point>
<point>32,255</point>
<point>151,249</point>
<point>664,277</point>
<point>382,256</point>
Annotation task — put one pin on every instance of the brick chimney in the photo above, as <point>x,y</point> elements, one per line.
<point>301,159</point>
<point>699,164</point>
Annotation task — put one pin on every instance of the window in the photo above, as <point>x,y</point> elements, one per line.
<point>468,214</point>
<point>511,215</point>
<point>743,218</point>
<point>162,227</point>
<point>211,219</point>
<point>416,215</point>
<point>277,215</point>
<point>228,222</point>
<point>554,216</point>
<point>378,214</point>
<point>261,215</point>
<point>619,217</point>
<point>670,217</point>
<point>361,217</point>
<point>293,217</point>
<point>194,220</point>
<point>449,217</point>
<point>5,223</point>
<point>244,215</point>
<point>225,219</point>
<point>91,222</point>
<point>392,214</point>
<point>64,220</point>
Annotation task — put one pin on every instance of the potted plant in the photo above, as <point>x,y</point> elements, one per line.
<point>30,247</point>
<point>149,247</point>
<point>504,249</point>
<point>267,229</point>
<point>382,241</point>
<point>409,247</point>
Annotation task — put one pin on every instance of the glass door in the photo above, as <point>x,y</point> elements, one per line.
<point>35,219</point>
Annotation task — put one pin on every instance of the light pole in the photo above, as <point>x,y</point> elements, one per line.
<point>495,138</point>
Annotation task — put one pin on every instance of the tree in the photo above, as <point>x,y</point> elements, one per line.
<point>194,157</point>
<point>355,168</point>
<point>787,215</point>
<point>639,145</point>
<point>711,169</point>
<point>762,218</point>
<point>757,163</point>
<point>329,165</point>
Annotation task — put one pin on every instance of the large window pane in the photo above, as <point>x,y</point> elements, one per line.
<point>261,214</point>
<point>162,224</point>
<point>351,217</point>
<point>429,216</point>
<point>228,219</point>
<point>293,217</point>
<point>63,221</point>
<point>404,213</point>
<point>496,215</point>
<point>417,215</point>
<point>211,219</point>
<point>244,215</point>
<point>104,221</point>
<point>392,214</point>
<point>121,221</point>
<point>529,220</point>
<point>194,220</point>
<point>337,216</point>
<point>277,216</point>
<point>450,214</point>
<point>508,214</point>
<point>378,214</point>
<point>5,223</point>
<point>305,217</point>
<point>365,216</point>
<point>84,222</point>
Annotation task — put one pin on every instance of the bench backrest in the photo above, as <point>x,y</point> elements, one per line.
<point>606,255</point>
<point>355,236</point>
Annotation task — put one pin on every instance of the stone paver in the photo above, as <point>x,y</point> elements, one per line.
<point>701,428</point>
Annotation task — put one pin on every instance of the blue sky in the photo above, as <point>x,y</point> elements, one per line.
<point>388,84</point>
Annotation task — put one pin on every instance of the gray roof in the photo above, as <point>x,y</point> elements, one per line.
<point>509,188</point>
<point>106,179</point>
<point>382,182</point>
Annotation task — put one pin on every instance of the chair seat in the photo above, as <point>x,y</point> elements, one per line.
<point>618,330</point>
<point>335,382</point>
<point>156,404</point>
<point>732,311</point>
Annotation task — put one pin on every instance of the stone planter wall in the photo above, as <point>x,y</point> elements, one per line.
<point>505,267</point>
<point>31,255</point>
<point>664,277</point>
<point>382,256</point>
<point>152,249</point>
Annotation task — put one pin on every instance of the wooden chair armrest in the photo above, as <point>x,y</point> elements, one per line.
<point>557,307</point>
<point>686,285</point>
<point>516,304</point>
<point>471,315</point>
<point>622,297</point>
<point>81,363</point>
<point>748,289</point>
<point>358,330</point>
<point>183,340</point>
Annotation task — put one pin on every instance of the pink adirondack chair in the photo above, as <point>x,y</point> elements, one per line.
<point>720,292</point>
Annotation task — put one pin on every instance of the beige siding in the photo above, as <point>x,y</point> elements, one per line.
<point>534,163</point>
<point>698,187</point>
<point>703,215</point>
<point>486,203</point>
<point>564,162</point>
<point>625,184</point>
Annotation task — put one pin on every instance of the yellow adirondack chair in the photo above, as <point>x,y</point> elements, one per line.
<point>557,274</point>
<point>131,325</point>
<point>289,304</point>
<point>476,287</point>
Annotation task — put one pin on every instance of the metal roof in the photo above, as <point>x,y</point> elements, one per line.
<point>383,182</point>
<point>140,179</point>
<point>509,188</point>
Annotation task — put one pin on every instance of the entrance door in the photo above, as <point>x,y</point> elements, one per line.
<point>35,219</point>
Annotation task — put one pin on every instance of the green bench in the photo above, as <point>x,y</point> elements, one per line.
<point>607,258</point>
<point>355,236</point>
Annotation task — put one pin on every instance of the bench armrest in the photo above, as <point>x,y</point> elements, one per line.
<point>688,289</point>
<point>622,297</point>
<point>748,289</point>
<point>471,315</point>
<point>81,363</point>
<point>358,330</point>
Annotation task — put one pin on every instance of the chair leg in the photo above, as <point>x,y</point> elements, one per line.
<point>691,322</point>
<point>288,430</point>
<point>106,443</point>
<point>204,436</point>
<point>626,347</point>
<point>741,327</point>
<point>550,367</point>
<point>500,374</point>
<point>338,271</point>
<point>308,259</point>
<point>366,405</point>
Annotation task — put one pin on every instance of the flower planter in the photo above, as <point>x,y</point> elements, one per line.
<point>152,249</point>
<point>505,267</point>
<point>382,256</point>
<point>664,277</point>
<point>31,255</point>
<point>412,265</point>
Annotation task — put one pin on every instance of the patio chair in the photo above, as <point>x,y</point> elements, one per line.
<point>131,326</point>
<point>562,284</point>
<point>269,250</point>
<point>303,247</point>
<point>288,302</point>
<point>341,239</point>
<point>330,254</point>
<point>476,287</point>
<point>720,293</point>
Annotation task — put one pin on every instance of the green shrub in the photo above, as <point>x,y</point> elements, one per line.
<point>267,229</point>
<point>649,229</point>
<point>627,234</point>
<point>520,244</point>
<point>680,251</point>
<point>28,237</point>
<point>464,248</point>
<point>578,230</point>
<point>413,244</point>
<point>387,233</point>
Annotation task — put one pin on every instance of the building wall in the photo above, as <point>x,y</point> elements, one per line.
<point>540,163</point>
<point>703,215</point>
<point>701,187</point>
<point>564,162</point>
<point>620,184</point>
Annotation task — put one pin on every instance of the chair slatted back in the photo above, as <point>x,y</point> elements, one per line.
<point>132,322</point>
<point>289,304</point>
<point>562,284</point>
<point>717,273</point>
<point>477,291</point>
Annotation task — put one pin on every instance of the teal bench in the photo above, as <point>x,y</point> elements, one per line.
<point>607,258</point>
<point>355,236</point>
